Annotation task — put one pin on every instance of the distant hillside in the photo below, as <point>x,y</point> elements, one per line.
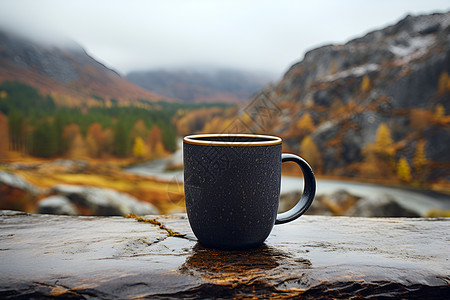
<point>196,86</point>
<point>376,106</point>
<point>68,72</point>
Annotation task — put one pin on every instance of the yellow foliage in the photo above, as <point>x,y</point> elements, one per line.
<point>439,112</point>
<point>310,152</point>
<point>370,167</point>
<point>384,144</point>
<point>78,148</point>
<point>92,146</point>
<point>420,160</point>
<point>404,170</point>
<point>140,150</point>
<point>444,83</point>
<point>437,213</point>
<point>305,124</point>
<point>3,94</point>
<point>139,130</point>
<point>366,85</point>
<point>4,137</point>
<point>159,150</point>
<point>214,126</point>
<point>195,120</point>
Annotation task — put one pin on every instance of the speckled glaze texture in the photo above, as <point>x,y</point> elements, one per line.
<point>232,193</point>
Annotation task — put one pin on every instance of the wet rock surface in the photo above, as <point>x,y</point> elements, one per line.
<point>158,257</point>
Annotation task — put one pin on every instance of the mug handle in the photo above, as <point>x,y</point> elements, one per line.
<point>309,190</point>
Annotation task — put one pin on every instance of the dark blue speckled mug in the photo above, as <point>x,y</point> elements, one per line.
<point>232,188</point>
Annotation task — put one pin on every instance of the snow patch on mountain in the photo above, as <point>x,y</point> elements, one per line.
<point>356,72</point>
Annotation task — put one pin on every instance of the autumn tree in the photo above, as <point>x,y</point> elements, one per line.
<point>310,152</point>
<point>443,83</point>
<point>419,119</point>
<point>139,130</point>
<point>4,136</point>
<point>95,140</point>
<point>78,149</point>
<point>154,142</point>
<point>403,169</point>
<point>214,125</point>
<point>420,160</point>
<point>366,85</point>
<point>384,145</point>
<point>69,134</point>
<point>371,167</point>
<point>439,113</point>
<point>306,124</point>
<point>108,142</point>
<point>140,149</point>
<point>378,157</point>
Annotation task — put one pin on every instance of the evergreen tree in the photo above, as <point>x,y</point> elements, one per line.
<point>16,124</point>
<point>44,141</point>
<point>4,136</point>
<point>121,141</point>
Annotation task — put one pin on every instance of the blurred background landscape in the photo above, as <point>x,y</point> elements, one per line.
<point>93,105</point>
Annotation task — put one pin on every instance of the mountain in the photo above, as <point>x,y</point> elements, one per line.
<point>201,86</point>
<point>361,108</point>
<point>67,72</point>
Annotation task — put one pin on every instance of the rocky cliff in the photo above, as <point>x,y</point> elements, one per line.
<point>375,100</point>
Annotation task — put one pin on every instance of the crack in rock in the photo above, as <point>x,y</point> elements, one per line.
<point>155,222</point>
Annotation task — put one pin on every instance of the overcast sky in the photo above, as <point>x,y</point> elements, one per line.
<point>245,34</point>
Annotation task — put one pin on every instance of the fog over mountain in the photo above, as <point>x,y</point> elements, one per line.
<point>202,84</point>
<point>64,70</point>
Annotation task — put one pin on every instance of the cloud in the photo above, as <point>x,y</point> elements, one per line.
<point>248,34</point>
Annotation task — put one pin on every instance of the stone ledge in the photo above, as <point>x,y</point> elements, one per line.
<point>314,257</point>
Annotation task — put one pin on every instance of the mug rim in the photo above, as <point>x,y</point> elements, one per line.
<point>194,139</point>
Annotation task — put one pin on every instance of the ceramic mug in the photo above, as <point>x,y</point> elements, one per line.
<point>232,188</point>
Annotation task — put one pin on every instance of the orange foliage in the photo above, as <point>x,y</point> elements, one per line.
<point>310,152</point>
<point>195,120</point>
<point>365,84</point>
<point>4,137</point>
<point>306,124</point>
<point>70,132</point>
<point>139,130</point>
<point>95,140</point>
<point>78,149</point>
<point>154,142</point>
<point>420,119</point>
<point>108,142</point>
<point>443,83</point>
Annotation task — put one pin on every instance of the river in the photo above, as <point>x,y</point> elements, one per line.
<point>418,200</point>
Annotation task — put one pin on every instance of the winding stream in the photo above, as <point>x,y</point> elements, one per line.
<point>419,200</point>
